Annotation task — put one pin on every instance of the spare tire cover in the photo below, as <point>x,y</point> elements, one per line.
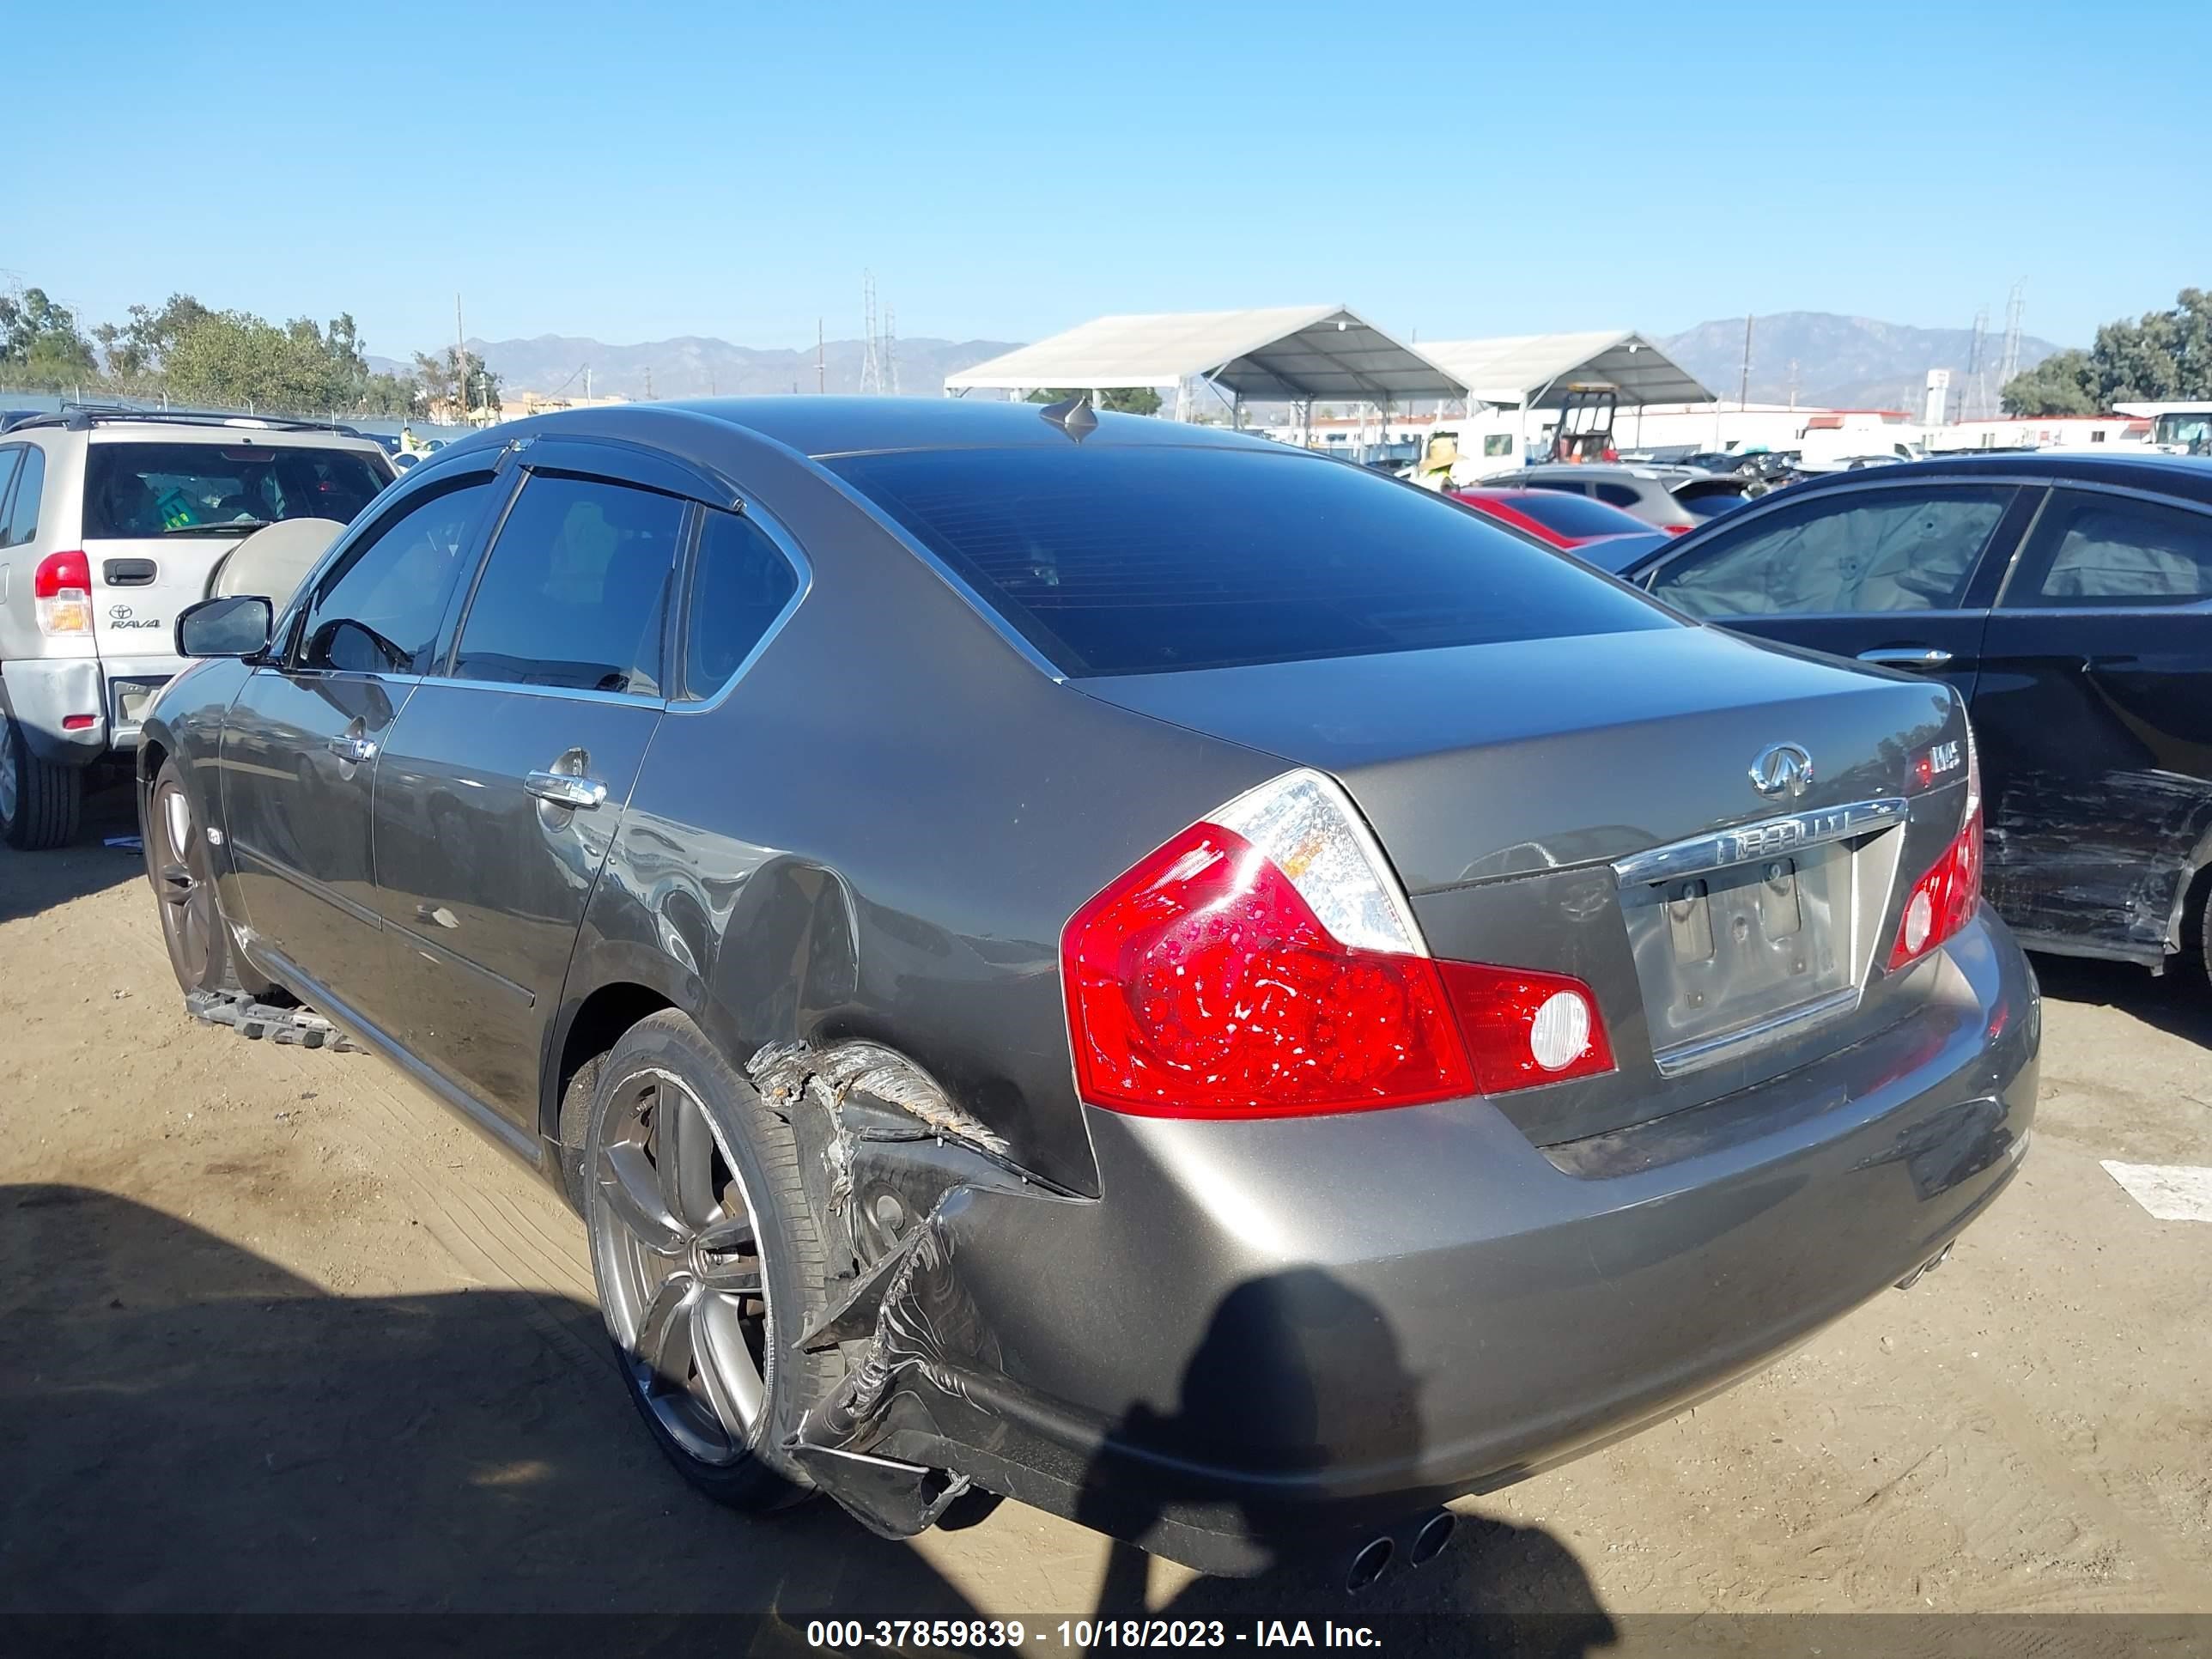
<point>273,559</point>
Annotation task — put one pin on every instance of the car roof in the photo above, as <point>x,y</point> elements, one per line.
<point>2168,475</point>
<point>822,426</point>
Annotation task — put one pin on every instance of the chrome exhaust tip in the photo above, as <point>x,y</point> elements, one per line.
<point>1369,1564</point>
<point>1429,1543</point>
<point>1927,1267</point>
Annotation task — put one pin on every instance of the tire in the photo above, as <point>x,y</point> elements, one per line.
<point>177,868</point>
<point>40,800</point>
<point>679,1249</point>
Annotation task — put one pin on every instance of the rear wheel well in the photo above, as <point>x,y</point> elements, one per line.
<point>598,1026</point>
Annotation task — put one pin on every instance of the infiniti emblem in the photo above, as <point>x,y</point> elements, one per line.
<point>1782,768</point>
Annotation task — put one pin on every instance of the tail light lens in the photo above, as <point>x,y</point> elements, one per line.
<point>61,590</point>
<point>1945,899</point>
<point>1264,964</point>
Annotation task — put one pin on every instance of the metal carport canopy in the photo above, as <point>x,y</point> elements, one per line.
<point>1284,353</point>
<point>1534,370</point>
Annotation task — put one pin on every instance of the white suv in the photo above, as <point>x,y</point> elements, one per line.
<point>111,522</point>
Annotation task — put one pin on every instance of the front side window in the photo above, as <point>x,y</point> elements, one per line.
<point>378,608</point>
<point>576,589</point>
<point>740,583</point>
<point>134,490</point>
<point>1117,560</point>
<point>1878,551</point>
<point>2092,549</point>
<point>23,508</point>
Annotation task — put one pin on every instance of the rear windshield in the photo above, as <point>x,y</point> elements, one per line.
<point>1575,515</point>
<point>166,490</point>
<point>1121,561</point>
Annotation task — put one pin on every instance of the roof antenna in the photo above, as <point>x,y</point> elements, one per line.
<point>1075,416</point>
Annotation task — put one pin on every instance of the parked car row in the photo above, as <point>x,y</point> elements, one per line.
<point>1123,966</point>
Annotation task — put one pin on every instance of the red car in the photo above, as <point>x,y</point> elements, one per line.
<point>1592,531</point>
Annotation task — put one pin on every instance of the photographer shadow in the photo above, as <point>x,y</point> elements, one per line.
<point>192,1429</point>
<point>1298,1371</point>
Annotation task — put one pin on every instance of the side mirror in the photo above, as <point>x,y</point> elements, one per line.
<point>236,626</point>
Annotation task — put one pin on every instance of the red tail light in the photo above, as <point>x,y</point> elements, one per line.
<point>1677,529</point>
<point>1945,899</point>
<point>1205,982</point>
<point>61,591</point>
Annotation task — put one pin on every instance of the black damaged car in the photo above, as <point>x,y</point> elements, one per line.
<point>2067,597</point>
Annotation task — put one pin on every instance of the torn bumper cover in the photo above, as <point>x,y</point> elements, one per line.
<point>1299,1330</point>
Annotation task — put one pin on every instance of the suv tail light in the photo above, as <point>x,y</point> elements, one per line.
<point>1945,899</point>
<point>1264,964</point>
<point>61,589</point>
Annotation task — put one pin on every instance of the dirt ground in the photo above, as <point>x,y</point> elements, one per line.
<point>276,1333</point>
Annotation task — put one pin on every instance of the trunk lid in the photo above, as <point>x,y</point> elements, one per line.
<point>139,583</point>
<point>1588,807</point>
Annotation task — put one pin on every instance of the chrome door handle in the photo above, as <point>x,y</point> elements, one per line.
<point>564,790</point>
<point>1907,656</point>
<point>353,749</point>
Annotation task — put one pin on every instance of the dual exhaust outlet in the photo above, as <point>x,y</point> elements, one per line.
<point>1374,1557</point>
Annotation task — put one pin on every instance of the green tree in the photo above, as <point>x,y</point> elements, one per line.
<point>457,384</point>
<point>2163,356</point>
<point>40,345</point>
<point>2063,384</point>
<point>136,350</point>
<point>1119,400</point>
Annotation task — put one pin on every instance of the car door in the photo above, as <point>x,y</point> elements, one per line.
<point>301,743</point>
<point>2095,717</point>
<point>506,777</point>
<point>1892,574</point>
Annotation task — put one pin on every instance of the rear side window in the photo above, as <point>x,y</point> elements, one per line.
<point>1118,561</point>
<point>211,489</point>
<point>740,584</point>
<point>1618,495</point>
<point>1575,515</point>
<point>11,459</point>
<point>1871,550</point>
<point>23,508</point>
<point>576,589</point>
<point>2092,549</point>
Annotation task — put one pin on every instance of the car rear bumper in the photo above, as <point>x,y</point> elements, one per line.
<point>45,694</point>
<point>1313,1327</point>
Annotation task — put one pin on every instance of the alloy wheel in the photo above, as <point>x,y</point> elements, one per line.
<point>681,1274</point>
<point>184,909</point>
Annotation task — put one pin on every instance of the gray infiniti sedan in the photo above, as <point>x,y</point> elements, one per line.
<point>1088,960</point>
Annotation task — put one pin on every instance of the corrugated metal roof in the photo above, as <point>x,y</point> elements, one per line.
<point>1538,368</point>
<point>1286,352</point>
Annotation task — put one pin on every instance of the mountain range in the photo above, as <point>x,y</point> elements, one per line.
<point>1834,361</point>
<point>1816,357</point>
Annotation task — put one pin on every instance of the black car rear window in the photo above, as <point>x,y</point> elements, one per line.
<point>1575,515</point>
<point>1120,561</point>
<point>171,489</point>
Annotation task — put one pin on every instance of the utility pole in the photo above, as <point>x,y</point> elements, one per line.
<point>460,363</point>
<point>1793,383</point>
<point>648,383</point>
<point>890,348</point>
<point>821,363</point>
<point>1743,385</point>
<point>587,383</point>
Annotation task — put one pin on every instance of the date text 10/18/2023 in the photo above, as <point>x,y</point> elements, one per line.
<point>969,1634</point>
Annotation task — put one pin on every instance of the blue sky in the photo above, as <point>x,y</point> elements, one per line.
<point>634,173</point>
